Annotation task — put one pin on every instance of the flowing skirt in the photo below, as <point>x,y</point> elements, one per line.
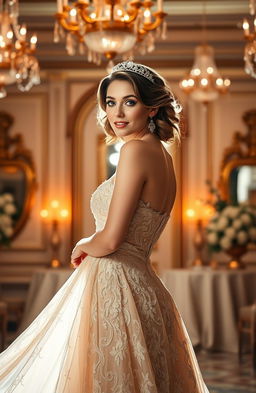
<point>112,328</point>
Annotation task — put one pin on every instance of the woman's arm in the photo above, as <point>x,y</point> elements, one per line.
<point>129,181</point>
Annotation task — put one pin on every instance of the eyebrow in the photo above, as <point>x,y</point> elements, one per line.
<point>123,98</point>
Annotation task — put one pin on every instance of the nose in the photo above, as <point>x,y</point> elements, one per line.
<point>120,111</point>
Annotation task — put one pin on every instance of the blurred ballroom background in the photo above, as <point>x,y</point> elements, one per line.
<point>53,155</point>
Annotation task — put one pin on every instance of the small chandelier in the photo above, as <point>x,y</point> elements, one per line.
<point>204,82</point>
<point>17,63</point>
<point>109,27</point>
<point>250,47</point>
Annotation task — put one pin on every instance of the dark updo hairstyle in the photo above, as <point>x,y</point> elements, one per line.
<point>152,94</point>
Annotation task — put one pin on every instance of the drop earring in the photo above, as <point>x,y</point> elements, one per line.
<point>151,125</point>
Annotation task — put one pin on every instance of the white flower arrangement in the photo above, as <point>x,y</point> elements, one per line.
<point>8,216</point>
<point>231,226</point>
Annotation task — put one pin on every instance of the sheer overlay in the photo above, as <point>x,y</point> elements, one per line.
<point>112,328</point>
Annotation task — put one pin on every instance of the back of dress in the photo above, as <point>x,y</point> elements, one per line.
<point>112,328</point>
<point>144,230</point>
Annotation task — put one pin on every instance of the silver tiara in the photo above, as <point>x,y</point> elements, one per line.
<point>133,67</point>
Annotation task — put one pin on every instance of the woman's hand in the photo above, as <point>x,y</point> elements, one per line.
<point>78,254</point>
<point>76,261</point>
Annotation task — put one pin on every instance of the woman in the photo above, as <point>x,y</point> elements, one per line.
<point>113,327</point>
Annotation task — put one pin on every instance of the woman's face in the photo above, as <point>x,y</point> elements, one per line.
<point>127,115</point>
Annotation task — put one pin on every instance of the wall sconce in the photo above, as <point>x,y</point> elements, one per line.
<point>198,213</point>
<point>55,214</point>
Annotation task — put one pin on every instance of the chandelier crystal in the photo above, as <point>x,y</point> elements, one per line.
<point>108,28</point>
<point>250,47</point>
<point>204,82</point>
<point>17,61</point>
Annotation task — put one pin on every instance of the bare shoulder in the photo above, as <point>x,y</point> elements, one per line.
<point>135,147</point>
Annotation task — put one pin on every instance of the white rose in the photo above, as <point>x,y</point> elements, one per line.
<point>5,220</point>
<point>212,238</point>
<point>234,211</point>
<point>9,208</point>
<point>237,223</point>
<point>246,219</point>
<point>211,226</point>
<point>1,201</point>
<point>8,231</point>
<point>225,243</point>
<point>226,211</point>
<point>230,233</point>
<point>8,197</point>
<point>222,223</point>
<point>252,233</point>
<point>242,237</point>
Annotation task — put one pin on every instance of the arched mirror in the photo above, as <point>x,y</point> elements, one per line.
<point>17,181</point>
<point>238,169</point>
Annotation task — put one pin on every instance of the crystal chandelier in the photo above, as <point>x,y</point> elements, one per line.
<point>17,61</point>
<point>250,47</point>
<point>204,82</point>
<point>109,27</point>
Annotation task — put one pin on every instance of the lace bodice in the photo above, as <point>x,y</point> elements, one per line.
<point>146,225</point>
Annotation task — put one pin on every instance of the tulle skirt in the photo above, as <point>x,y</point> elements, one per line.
<point>112,328</point>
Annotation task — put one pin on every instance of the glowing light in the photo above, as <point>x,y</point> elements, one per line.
<point>64,213</point>
<point>55,204</point>
<point>196,71</point>
<point>204,82</point>
<point>209,70</point>
<point>191,82</point>
<point>227,82</point>
<point>190,213</point>
<point>44,213</point>
<point>73,12</point>
<point>219,81</point>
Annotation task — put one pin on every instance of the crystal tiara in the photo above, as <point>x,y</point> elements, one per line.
<point>133,67</point>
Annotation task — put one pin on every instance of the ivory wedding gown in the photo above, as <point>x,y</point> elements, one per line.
<point>112,327</point>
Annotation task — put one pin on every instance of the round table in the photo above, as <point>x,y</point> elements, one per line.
<point>209,300</point>
<point>44,285</point>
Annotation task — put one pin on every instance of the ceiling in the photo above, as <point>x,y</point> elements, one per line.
<point>224,33</point>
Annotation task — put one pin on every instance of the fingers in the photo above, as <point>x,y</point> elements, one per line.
<point>76,261</point>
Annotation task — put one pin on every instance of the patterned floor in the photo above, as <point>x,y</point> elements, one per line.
<point>223,374</point>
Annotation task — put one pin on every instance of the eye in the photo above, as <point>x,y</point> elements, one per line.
<point>131,102</point>
<point>110,103</point>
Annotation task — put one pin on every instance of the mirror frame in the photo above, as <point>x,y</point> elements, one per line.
<point>14,153</point>
<point>241,152</point>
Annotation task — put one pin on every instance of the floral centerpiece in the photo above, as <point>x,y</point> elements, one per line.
<point>231,228</point>
<point>8,216</point>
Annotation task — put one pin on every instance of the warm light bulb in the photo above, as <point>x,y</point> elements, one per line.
<point>227,82</point>
<point>44,213</point>
<point>191,82</point>
<point>9,35</point>
<point>93,15</point>
<point>55,204</point>
<point>126,17</point>
<point>23,30</point>
<point>184,83</point>
<point>196,71</point>
<point>204,82</point>
<point>73,12</point>
<point>190,213</point>
<point>245,24</point>
<point>33,39</point>
<point>219,81</point>
<point>209,70</point>
<point>64,213</point>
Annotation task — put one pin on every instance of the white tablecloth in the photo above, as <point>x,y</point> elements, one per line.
<point>44,285</point>
<point>209,301</point>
